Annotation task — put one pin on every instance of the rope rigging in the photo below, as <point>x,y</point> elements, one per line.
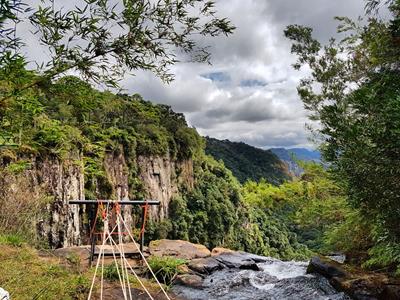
<point>119,228</point>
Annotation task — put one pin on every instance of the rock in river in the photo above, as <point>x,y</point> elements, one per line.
<point>357,283</point>
<point>205,265</point>
<point>238,260</point>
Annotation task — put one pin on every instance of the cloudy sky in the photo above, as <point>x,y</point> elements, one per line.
<point>249,92</point>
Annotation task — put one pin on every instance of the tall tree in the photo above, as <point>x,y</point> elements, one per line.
<point>354,92</point>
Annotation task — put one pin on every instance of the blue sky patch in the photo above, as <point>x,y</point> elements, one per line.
<point>252,83</point>
<point>217,76</point>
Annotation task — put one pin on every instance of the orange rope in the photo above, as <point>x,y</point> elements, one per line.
<point>145,207</point>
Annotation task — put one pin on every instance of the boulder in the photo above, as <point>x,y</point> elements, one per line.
<point>81,252</point>
<point>326,267</point>
<point>191,280</point>
<point>220,250</point>
<point>237,260</point>
<point>178,249</point>
<point>79,255</point>
<point>205,265</point>
<point>357,283</point>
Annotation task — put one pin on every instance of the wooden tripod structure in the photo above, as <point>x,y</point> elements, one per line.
<point>106,208</point>
<point>94,208</point>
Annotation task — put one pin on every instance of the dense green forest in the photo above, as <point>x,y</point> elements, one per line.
<point>247,162</point>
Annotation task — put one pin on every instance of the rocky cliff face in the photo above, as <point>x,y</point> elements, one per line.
<point>162,178</point>
<point>55,182</point>
<point>64,225</point>
<point>118,174</point>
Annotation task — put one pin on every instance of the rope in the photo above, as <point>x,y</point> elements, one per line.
<point>122,252</point>
<point>107,236</point>
<point>145,207</point>
<point>99,257</point>
<point>97,264</point>
<point>144,259</point>
<point>119,275</point>
<point>134,273</point>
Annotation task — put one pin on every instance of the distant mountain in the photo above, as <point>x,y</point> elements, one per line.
<point>248,162</point>
<point>289,156</point>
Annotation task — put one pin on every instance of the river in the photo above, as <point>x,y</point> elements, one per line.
<point>275,279</point>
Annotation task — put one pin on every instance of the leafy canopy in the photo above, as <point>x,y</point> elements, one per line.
<point>103,39</point>
<point>353,90</point>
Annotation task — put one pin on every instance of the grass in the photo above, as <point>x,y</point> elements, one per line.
<point>27,276</point>
<point>15,240</point>
<point>166,268</point>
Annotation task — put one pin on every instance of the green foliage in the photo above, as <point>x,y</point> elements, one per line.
<point>18,166</point>
<point>112,272</point>
<point>41,279</point>
<point>14,240</point>
<point>166,268</point>
<point>384,256</point>
<point>303,210</point>
<point>247,162</point>
<point>353,92</point>
<point>218,212</point>
<point>74,260</point>
<point>69,118</point>
<point>207,214</point>
<point>352,236</point>
<point>148,38</point>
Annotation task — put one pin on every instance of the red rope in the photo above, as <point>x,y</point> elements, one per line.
<point>142,230</point>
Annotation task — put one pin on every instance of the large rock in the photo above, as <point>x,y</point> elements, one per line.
<point>326,267</point>
<point>192,280</point>
<point>178,249</point>
<point>205,265</point>
<point>358,284</point>
<point>220,250</point>
<point>237,260</point>
<point>79,255</point>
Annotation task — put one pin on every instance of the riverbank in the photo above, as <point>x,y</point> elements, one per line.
<point>195,273</point>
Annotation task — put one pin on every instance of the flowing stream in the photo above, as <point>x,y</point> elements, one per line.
<point>275,280</point>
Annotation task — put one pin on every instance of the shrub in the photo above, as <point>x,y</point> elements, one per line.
<point>111,271</point>
<point>166,268</point>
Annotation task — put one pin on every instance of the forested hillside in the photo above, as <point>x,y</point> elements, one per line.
<point>247,162</point>
<point>72,122</point>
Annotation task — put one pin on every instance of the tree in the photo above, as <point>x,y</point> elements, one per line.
<point>102,39</point>
<point>353,91</point>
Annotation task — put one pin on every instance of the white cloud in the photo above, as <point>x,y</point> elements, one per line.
<point>257,102</point>
<point>267,114</point>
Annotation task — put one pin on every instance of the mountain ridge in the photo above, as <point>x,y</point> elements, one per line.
<point>248,162</point>
<point>290,157</point>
